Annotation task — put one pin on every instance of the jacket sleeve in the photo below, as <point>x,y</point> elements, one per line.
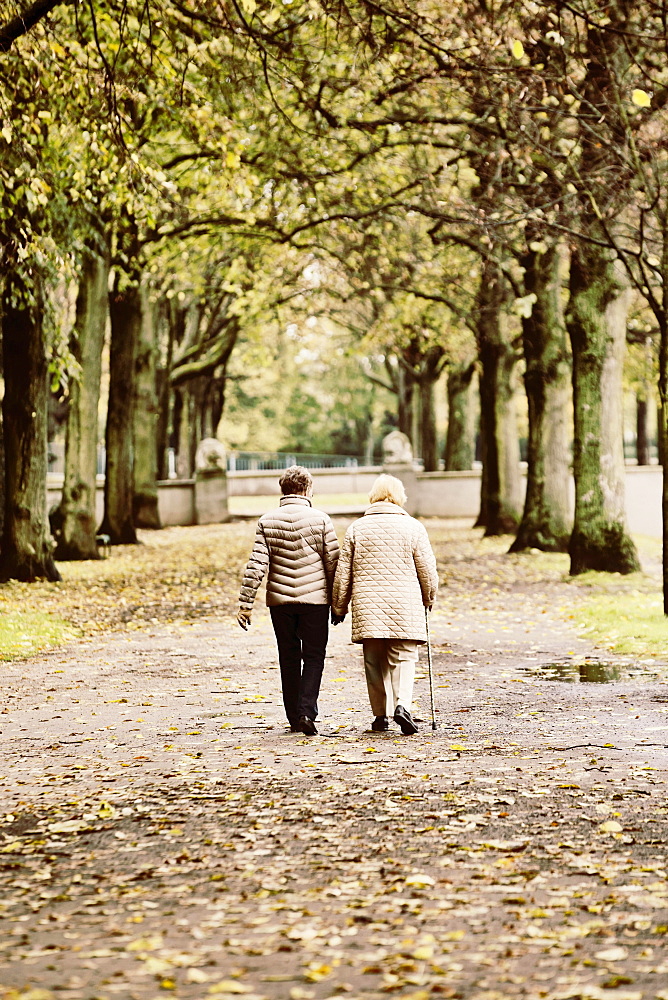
<point>343,580</point>
<point>256,567</point>
<point>425,565</point>
<point>330,552</point>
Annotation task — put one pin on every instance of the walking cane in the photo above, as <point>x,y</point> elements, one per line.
<point>431,675</point>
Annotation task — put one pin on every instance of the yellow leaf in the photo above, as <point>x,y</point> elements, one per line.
<point>610,826</point>
<point>106,810</point>
<point>641,98</point>
<point>611,955</point>
<point>67,826</point>
<point>418,880</point>
<point>228,986</point>
<point>197,976</point>
<point>424,952</point>
<point>156,966</point>
<point>11,848</point>
<point>517,49</point>
<point>458,746</point>
<point>249,6</point>
<point>315,973</point>
<point>149,943</point>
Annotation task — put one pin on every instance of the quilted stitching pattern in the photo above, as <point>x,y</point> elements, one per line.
<point>297,545</point>
<point>388,571</point>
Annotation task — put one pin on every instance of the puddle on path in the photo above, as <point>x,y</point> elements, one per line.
<point>593,672</point>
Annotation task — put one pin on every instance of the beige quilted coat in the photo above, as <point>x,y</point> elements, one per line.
<point>298,547</point>
<point>388,570</point>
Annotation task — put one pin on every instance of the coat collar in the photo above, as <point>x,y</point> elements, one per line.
<point>295,498</point>
<point>385,507</point>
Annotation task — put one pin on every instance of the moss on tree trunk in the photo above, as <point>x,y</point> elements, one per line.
<point>546,521</point>
<point>596,321</point>
<point>145,419</point>
<point>460,437</point>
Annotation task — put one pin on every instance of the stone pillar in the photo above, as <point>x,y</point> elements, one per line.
<point>211,483</point>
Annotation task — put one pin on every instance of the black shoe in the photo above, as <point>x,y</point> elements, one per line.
<point>404,719</point>
<point>307,726</point>
<point>380,724</point>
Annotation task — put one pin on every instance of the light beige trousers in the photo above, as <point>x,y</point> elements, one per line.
<point>389,665</point>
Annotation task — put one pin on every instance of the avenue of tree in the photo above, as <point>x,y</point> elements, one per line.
<point>475,189</point>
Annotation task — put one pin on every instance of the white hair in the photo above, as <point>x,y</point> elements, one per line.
<point>388,488</point>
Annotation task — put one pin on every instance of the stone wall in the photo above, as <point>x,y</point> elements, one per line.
<point>430,494</point>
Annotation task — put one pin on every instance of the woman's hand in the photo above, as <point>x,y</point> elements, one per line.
<point>244,618</point>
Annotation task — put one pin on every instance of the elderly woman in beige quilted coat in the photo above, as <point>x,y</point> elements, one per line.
<point>388,570</point>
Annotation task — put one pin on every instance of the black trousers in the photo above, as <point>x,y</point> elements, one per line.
<point>301,636</point>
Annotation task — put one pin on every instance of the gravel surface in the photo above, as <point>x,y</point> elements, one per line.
<point>162,833</point>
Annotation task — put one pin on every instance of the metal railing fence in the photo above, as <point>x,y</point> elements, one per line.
<point>257,461</point>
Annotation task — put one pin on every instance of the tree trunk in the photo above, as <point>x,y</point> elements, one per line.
<point>500,501</point>
<point>76,514</point>
<point>187,432</point>
<point>596,321</point>
<point>27,546</point>
<point>428,441</point>
<point>546,522</point>
<point>642,435</point>
<point>165,394</point>
<point>662,422</point>
<point>125,313</point>
<point>145,418</point>
<point>460,438</point>
<point>405,403</point>
<point>2,457</point>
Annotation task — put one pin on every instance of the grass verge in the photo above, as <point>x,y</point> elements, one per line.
<point>23,633</point>
<point>631,623</point>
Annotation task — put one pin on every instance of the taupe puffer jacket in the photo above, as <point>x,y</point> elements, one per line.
<point>299,547</point>
<point>388,569</point>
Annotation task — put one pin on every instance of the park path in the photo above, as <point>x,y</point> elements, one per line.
<point>163,834</point>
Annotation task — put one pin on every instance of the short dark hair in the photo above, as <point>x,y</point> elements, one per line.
<point>296,479</point>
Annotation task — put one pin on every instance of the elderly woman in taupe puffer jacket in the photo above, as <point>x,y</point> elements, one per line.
<point>297,547</point>
<point>388,569</point>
